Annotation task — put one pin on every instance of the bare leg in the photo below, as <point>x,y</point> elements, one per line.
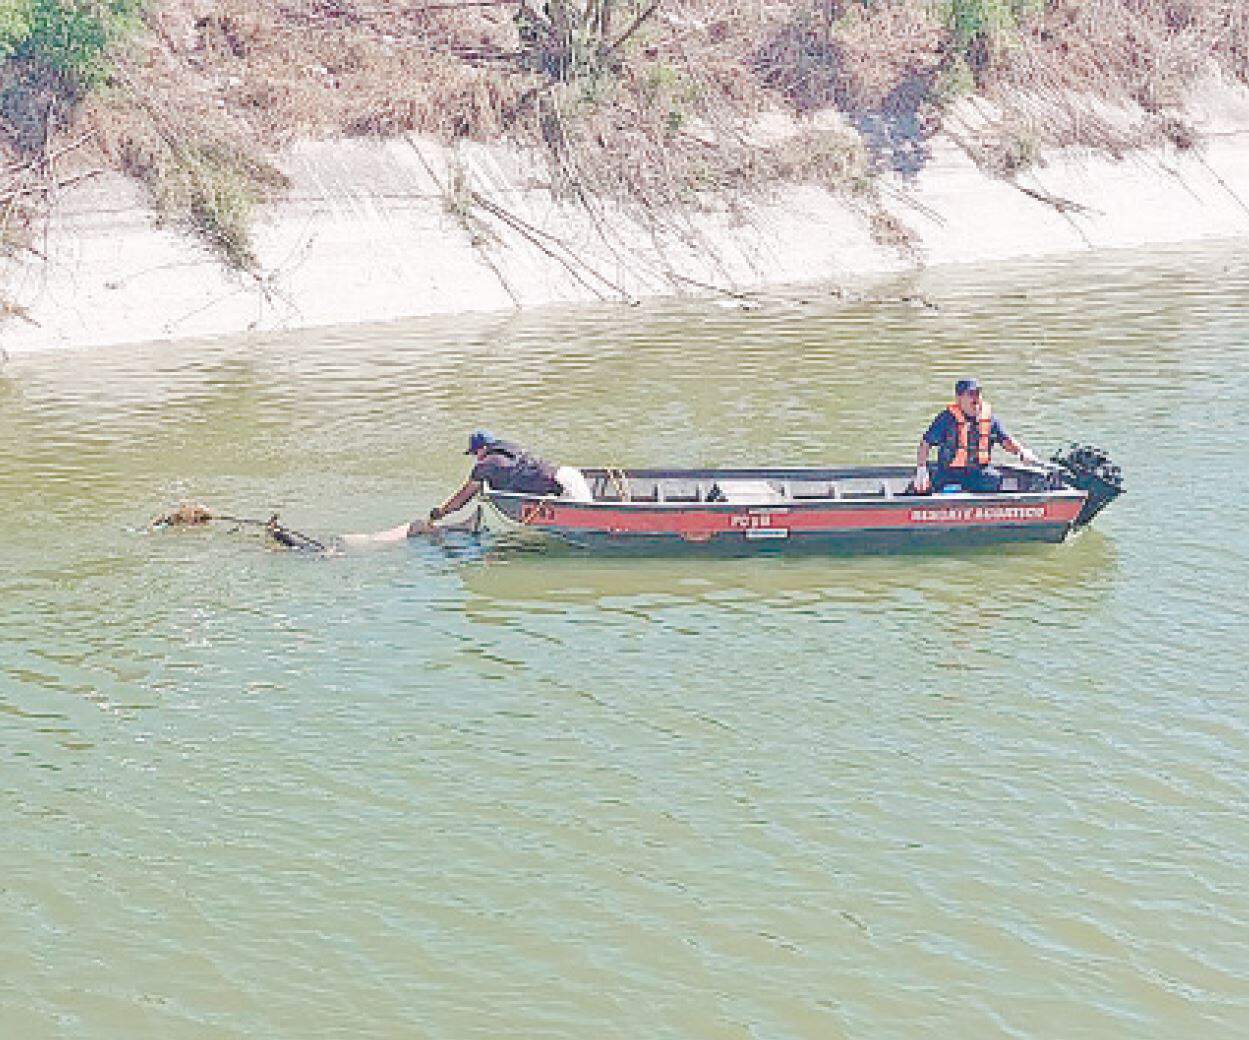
<point>394,534</point>
<point>417,529</point>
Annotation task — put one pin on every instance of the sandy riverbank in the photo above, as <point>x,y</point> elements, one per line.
<point>375,231</point>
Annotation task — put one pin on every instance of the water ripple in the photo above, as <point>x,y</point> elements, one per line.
<point>497,793</point>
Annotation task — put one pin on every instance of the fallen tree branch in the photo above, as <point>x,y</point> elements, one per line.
<point>47,187</point>
<point>1222,183</point>
<point>1062,205</point>
<point>479,54</point>
<point>528,233</point>
<point>473,238</point>
<point>735,294</point>
<point>623,38</point>
<point>47,157</point>
<point>539,20</point>
<point>535,235</point>
<point>456,7</point>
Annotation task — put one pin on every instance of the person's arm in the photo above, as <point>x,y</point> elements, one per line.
<point>932,436</point>
<point>468,491</point>
<point>921,466</point>
<point>1026,454</point>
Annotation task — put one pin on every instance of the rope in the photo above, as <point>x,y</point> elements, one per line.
<point>617,476</point>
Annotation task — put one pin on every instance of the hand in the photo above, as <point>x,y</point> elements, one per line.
<point>436,514</point>
<point>921,479</point>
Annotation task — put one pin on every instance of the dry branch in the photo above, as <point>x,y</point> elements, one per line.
<point>556,249</point>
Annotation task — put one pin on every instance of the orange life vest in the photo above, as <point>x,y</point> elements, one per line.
<point>984,444</point>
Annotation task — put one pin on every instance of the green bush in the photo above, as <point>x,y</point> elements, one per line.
<point>72,37</point>
<point>973,20</point>
<point>954,81</point>
<point>986,22</point>
<point>212,188</point>
<point>14,25</point>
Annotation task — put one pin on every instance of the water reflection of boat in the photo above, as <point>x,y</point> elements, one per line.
<point>861,509</point>
<point>1014,577</point>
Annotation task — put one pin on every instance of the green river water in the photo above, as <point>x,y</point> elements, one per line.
<point>453,792</point>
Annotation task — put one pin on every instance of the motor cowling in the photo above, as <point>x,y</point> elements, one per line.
<point>1090,469</point>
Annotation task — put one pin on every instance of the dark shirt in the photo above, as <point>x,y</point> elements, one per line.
<point>516,471</point>
<point>943,435</point>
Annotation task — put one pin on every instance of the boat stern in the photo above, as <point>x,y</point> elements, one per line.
<point>1090,470</point>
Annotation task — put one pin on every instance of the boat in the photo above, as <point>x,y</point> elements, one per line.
<point>855,509</point>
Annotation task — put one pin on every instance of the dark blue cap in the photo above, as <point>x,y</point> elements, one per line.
<point>966,386</point>
<point>479,439</point>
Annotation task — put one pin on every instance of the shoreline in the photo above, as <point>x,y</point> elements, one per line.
<point>383,231</point>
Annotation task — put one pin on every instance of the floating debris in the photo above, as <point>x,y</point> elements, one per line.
<point>186,514</point>
<point>192,514</point>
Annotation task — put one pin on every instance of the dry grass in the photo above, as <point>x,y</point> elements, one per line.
<point>860,60</point>
<point>1147,51</point>
<point>667,119</point>
<point>1108,75</point>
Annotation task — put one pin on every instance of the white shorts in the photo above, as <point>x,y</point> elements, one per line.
<point>574,484</point>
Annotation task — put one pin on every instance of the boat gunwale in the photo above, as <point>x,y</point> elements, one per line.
<point>798,503</point>
<point>1049,495</point>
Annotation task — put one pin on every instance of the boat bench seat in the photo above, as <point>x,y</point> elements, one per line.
<point>875,489</point>
<point>751,492</point>
<point>682,491</point>
<point>813,489</point>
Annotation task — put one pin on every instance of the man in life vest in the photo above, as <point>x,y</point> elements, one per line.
<point>964,434</point>
<point>508,467</point>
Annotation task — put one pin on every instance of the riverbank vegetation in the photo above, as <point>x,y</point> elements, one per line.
<point>659,104</point>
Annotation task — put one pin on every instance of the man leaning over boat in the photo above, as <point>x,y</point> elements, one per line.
<point>964,433</point>
<point>505,466</point>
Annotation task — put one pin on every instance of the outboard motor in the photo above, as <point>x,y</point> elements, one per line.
<point>1089,469</point>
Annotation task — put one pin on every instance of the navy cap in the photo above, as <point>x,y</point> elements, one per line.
<point>966,386</point>
<point>479,439</point>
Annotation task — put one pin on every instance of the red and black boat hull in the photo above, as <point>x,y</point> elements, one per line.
<point>886,522</point>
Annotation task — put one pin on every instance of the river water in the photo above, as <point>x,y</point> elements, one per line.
<point>458,792</point>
